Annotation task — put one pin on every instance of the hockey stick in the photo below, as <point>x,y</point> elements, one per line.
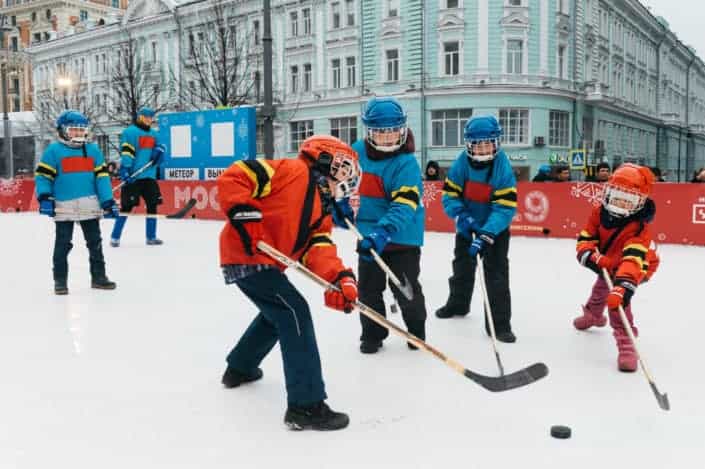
<point>491,383</point>
<point>179,214</point>
<point>488,312</point>
<point>662,399</point>
<point>405,288</point>
<point>136,173</point>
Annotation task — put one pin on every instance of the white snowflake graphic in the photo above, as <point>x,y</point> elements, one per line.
<point>9,187</point>
<point>430,193</point>
<point>591,191</point>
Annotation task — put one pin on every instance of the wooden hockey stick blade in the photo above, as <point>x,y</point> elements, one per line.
<point>662,399</point>
<point>514,380</point>
<point>184,210</point>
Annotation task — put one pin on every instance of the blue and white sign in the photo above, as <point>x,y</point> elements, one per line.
<point>201,144</point>
<point>577,159</point>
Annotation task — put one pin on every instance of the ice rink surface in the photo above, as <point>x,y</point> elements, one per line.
<point>131,378</point>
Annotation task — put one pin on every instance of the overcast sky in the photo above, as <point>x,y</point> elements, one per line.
<point>685,18</point>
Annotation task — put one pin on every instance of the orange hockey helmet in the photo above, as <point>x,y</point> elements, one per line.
<point>334,158</point>
<point>627,189</point>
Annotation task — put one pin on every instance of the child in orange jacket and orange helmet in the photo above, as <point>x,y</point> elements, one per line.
<point>617,238</point>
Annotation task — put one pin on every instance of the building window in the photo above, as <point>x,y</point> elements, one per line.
<point>154,51</point>
<point>13,44</point>
<point>294,20</point>
<point>116,3</point>
<point>255,31</point>
<point>307,77</point>
<point>13,20</point>
<point>514,56</point>
<point>48,13</point>
<point>561,62</point>
<point>306,17</point>
<point>350,12</point>
<point>392,8</point>
<point>515,123</point>
<point>46,36</point>
<point>105,64</point>
<point>350,69</point>
<point>335,65</point>
<point>294,78</point>
<point>335,14</point>
<point>37,37</point>
<point>447,127</point>
<point>451,54</point>
<point>514,3</point>
<point>34,16</point>
<point>558,129</point>
<point>96,64</point>
<point>83,15</point>
<point>298,132</point>
<point>452,4</point>
<point>345,128</point>
<point>392,56</point>
<point>15,86</point>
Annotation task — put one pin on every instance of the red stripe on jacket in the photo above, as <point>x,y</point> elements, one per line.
<point>372,186</point>
<point>146,141</point>
<point>477,191</point>
<point>77,164</point>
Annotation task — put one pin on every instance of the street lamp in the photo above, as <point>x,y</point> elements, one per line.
<point>64,83</point>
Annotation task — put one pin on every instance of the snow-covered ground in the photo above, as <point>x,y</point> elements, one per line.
<point>131,377</point>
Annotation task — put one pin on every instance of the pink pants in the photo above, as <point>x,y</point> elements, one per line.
<point>596,305</point>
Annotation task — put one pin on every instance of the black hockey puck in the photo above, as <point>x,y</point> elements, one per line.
<point>560,431</point>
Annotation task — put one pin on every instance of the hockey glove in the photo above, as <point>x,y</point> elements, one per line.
<point>125,175</point>
<point>110,209</point>
<point>341,211</point>
<point>247,221</point>
<point>376,240</point>
<point>466,224</point>
<point>479,244</point>
<point>342,299</point>
<point>621,294</point>
<point>157,155</point>
<point>593,260</point>
<point>46,205</point>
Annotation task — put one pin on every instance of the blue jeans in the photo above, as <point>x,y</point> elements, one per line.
<point>285,317</point>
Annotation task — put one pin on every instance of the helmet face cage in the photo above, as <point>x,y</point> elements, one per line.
<point>387,148</point>
<point>471,149</point>
<point>66,132</point>
<point>345,171</point>
<point>622,201</point>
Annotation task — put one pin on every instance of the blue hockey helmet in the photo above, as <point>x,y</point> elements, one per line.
<point>66,125</point>
<point>479,130</point>
<point>146,111</point>
<point>385,115</point>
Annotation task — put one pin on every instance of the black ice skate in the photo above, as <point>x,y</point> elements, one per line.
<point>446,312</point>
<point>315,417</point>
<point>370,346</point>
<point>233,378</point>
<point>60,287</point>
<point>102,283</point>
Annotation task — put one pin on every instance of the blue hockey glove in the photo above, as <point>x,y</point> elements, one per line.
<point>376,240</point>
<point>46,205</point>
<point>341,211</point>
<point>480,243</point>
<point>110,209</point>
<point>466,224</point>
<point>125,175</point>
<point>157,155</point>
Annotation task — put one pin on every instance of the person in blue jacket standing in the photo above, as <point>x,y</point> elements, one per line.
<point>390,217</point>
<point>480,195</point>
<point>138,148</point>
<point>73,185</point>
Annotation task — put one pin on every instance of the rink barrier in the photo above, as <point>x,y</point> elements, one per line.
<point>557,210</point>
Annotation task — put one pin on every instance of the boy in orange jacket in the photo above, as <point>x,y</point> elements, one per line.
<point>617,238</point>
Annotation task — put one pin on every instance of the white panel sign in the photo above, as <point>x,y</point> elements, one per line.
<point>212,173</point>
<point>183,174</point>
<point>181,141</point>
<point>223,139</point>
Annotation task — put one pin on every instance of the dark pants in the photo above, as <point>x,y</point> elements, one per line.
<point>63,245</point>
<point>372,282</point>
<point>496,271</point>
<point>148,189</point>
<point>285,317</point>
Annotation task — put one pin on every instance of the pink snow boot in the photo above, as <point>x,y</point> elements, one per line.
<point>627,358</point>
<point>589,319</point>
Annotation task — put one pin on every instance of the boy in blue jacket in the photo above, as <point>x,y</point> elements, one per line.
<point>73,185</point>
<point>139,148</point>
<point>390,217</point>
<point>480,195</point>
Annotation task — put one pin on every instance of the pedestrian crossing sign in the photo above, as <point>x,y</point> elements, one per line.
<point>577,159</point>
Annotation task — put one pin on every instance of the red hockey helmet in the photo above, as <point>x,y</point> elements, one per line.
<point>334,158</point>
<point>627,189</point>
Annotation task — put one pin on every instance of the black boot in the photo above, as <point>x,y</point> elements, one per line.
<point>507,337</point>
<point>417,328</point>
<point>60,287</point>
<point>370,346</point>
<point>102,283</point>
<point>233,378</point>
<point>446,312</point>
<point>315,417</point>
